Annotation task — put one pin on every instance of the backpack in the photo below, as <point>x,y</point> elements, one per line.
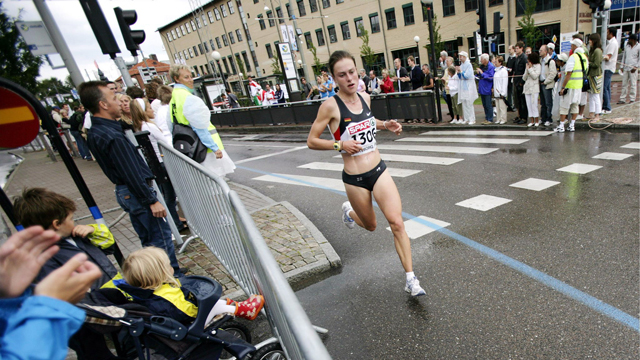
<point>585,80</point>
<point>186,141</point>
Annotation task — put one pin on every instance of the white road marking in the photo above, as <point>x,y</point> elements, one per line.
<point>311,181</point>
<point>254,145</point>
<point>633,145</point>
<point>447,149</point>
<point>417,159</point>
<point>579,168</point>
<point>269,155</point>
<point>483,202</point>
<point>395,172</point>
<point>416,229</point>
<point>490,132</point>
<point>535,184</point>
<point>612,156</point>
<point>467,140</point>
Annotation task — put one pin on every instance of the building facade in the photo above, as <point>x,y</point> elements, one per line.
<point>246,33</point>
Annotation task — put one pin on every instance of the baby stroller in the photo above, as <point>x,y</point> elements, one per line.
<point>138,334</point>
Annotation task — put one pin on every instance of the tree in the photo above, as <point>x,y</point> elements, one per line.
<point>437,38</point>
<point>275,66</point>
<point>240,65</point>
<point>317,64</point>
<point>51,87</point>
<point>16,61</point>
<point>530,31</point>
<point>370,57</point>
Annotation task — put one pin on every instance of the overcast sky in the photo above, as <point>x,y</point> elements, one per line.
<point>84,47</point>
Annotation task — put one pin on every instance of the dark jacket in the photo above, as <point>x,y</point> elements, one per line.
<point>68,250</point>
<point>233,101</point>
<point>511,62</point>
<point>167,300</point>
<point>417,78</point>
<point>519,68</point>
<point>404,85</point>
<point>366,81</point>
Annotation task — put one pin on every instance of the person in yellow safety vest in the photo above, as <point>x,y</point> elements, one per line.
<point>192,111</point>
<point>575,67</point>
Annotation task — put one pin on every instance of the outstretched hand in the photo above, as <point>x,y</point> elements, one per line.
<point>21,258</point>
<point>394,126</point>
<point>71,281</point>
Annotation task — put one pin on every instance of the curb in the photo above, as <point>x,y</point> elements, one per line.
<point>256,193</point>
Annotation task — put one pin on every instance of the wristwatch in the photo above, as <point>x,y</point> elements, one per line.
<point>336,146</point>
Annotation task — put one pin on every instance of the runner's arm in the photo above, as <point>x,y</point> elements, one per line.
<point>328,111</point>
<point>391,125</point>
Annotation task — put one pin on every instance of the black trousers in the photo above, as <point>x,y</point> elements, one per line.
<point>522,103</point>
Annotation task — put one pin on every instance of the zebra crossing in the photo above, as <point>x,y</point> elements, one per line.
<point>465,139</point>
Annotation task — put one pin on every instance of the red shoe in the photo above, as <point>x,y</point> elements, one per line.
<point>250,308</point>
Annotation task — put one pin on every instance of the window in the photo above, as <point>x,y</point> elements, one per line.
<point>540,6</point>
<point>199,23</point>
<point>332,34</point>
<point>377,65</point>
<point>448,7</point>
<point>247,64</point>
<point>169,36</point>
<point>279,15</point>
<point>407,11</point>
<point>325,4</point>
<point>175,57</point>
<point>301,8</point>
<point>359,26</point>
<point>201,48</point>
<point>191,51</point>
<point>495,2</point>
<point>238,35</point>
<point>346,34</point>
<point>256,1</point>
<point>339,1</point>
<point>186,54</point>
<point>210,16</point>
<point>204,20</point>
<point>272,23</point>
<point>173,34</point>
<point>470,5</point>
<point>261,21</point>
<point>288,11</point>
<point>269,51</point>
<point>225,40</point>
<point>232,38</point>
<point>320,37</point>
<point>231,9</point>
<point>374,19</point>
<point>193,25</point>
<point>217,13</point>
<point>211,44</point>
<point>206,47</point>
<point>391,18</point>
<point>313,5</point>
<point>226,65</point>
<point>224,10</point>
<point>548,31</point>
<point>233,65</point>
<point>218,42</point>
<point>184,30</point>
<point>307,38</point>
<point>188,25</point>
<point>195,51</point>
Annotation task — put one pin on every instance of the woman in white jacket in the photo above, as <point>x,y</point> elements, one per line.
<point>532,88</point>
<point>500,89</point>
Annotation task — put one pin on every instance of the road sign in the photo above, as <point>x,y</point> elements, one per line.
<point>288,65</point>
<point>555,39</point>
<point>19,123</point>
<point>74,93</point>
<point>36,36</point>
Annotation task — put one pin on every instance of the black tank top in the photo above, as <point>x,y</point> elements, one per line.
<point>360,127</point>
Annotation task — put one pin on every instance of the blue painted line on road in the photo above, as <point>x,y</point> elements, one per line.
<point>563,288</point>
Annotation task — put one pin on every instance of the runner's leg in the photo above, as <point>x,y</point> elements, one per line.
<point>362,214</point>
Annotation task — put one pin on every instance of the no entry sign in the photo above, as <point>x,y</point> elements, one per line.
<point>19,123</point>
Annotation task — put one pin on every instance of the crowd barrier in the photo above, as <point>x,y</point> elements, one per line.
<point>216,215</point>
<point>406,105</point>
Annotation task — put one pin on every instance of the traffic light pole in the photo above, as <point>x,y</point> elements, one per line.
<point>123,70</point>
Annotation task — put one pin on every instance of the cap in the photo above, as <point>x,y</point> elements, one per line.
<point>56,108</point>
<point>577,42</point>
<point>463,53</point>
<point>551,46</point>
<point>563,57</point>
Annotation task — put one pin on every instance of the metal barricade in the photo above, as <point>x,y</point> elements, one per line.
<point>216,215</point>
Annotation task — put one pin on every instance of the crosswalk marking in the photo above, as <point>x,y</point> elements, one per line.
<point>416,229</point>
<point>633,145</point>
<point>466,140</point>
<point>483,202</point>
<point>490,132</point>
<point>395,172</point>
<point>311,181</point>
<point>433,160</point>
<point>535,184</point>
<point>612,156</point>
<point>579,168</point>
<point>447,149</point>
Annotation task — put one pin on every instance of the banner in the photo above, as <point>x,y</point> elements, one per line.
<point>292,38</point>
<point>565,42</point>
<point>37,37</point>
<point>285,33</point>
<point>288,65</point>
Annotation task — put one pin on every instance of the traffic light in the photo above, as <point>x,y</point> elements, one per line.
<point>100,28</point>
<point>497,16</point>
<point>132,38</point>
<point>482,18</point>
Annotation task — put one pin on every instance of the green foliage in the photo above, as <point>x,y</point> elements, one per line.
<point>366,51</point>
<point>50,87</point>
<point>530,31</point>
<point>437,38</point>
<point>16,61</point>
<point>240,65</point>
<point>317,64</point>
<point>275,66</point>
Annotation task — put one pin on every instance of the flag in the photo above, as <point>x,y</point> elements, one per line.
<point>96,64</point>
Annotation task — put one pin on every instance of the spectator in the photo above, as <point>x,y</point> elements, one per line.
<point>527,51</point>
<point>232,99</point>
<point>631,62</point>
<point>329,84</point>
<point>134,92</point>
<point>307,89</point>
<point>268,96</point>
<point>532,88</point>
<point>126,169</point>
<point>255,88</point>
<point>610,59</point>
<point>361,86</point>
<point>595,76</point>
<point>321,88</point>
<point>39,326</point>
<point>75,123</point>
<point>125,112</point>
<point>571,87</point>
<point>443,63</point>
<point>190,110</point>
<point>365,80</point>
<point>163,118</point>
<point>467,92</point>
<point>387,83</point>
<point>67,108</point>
<point>551,48</point>
<point>485,73</point>
<point>500,89</point>
<point>427,82</point>
<point>519,68</point>
<point>511,62</point>
<point>548,77</point>
<point>415,74</point>
<point>151,90</point>
<point>577,38</point>
<point>55,114</point>
<point>446,95</point>
<point>401,78</point>
<point>374,84</point>
<point>279,95</point>
<point>456,106</point>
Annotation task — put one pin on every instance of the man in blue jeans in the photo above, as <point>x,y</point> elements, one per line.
<point>122,164</point>
<point>609,58</point>
<point>485,73</point>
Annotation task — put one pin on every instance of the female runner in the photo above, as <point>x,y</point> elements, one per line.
<point>349,118</point>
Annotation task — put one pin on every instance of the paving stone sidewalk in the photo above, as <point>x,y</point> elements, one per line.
<point>295,242</point>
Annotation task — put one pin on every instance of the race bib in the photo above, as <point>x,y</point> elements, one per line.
<point>363,132</point>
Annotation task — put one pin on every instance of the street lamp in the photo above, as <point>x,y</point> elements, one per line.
<point>216,56</point>
<point>417,40</point>
<point>433,62</point>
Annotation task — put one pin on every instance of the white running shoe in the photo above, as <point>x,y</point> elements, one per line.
<point>413,286</point>
<point>346,219</point>
<point>548,123</point>
<point>579,117</point>
<point>503,122</point>
<point>606,112</point>
<point>471,123</point>
<point>571,128</point>
<point>559,129</point>
<point>462,122</point>
<point>454,121</point>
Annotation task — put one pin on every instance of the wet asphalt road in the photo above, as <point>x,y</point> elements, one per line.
<point>581,236</point>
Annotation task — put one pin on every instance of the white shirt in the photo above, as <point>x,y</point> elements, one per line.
<point>87,120</point>
<point>453,84</point>
<point>611,49</point>
<point>155,105</point>
<point>570,64</point>
<point>155,135</point>
<point>500,82</point>
<point>543,72</point>
<point>631,57</point>
<point>162,120</point>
